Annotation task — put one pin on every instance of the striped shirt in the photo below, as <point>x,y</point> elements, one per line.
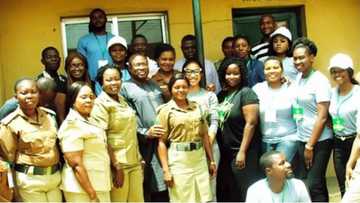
<point>261,51</point>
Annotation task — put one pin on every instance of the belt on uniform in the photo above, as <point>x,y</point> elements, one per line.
<point>346,137</point>
<point>36,170</point>
<point>187,146</point>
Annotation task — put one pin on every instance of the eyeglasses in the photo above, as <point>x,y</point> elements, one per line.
<point>189,72</point>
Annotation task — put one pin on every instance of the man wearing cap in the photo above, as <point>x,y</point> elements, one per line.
<point>117,48</point>
<point>267,26</point>
<point>278,186</point>
<point>93,45</point>
<point>344,110</point>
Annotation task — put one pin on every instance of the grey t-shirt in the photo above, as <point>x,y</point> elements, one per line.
<point>346,107</point>
<point>276,121</point>
<point>309,92</point>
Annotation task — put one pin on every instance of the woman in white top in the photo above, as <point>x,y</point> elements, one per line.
<point>275,99</point>
<point>208,102</point>
<point>343,110</point>
<point>310,110</point>
<point>280,46</point>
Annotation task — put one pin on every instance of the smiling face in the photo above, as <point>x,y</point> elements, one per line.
<point>117,53</point>
<point>340,76</point>
<point>233,76</point>
<point>180,90</point>
<point>84,101</point>
<point>241,48</point>
<point>280,44</point>
<point>267,25</point>
<point>27,94</point>
<point>273,71</point>
<point>193,74</point>
<point>139,68</point>
<point>111,81</point>
<point>166,61</point>
<point>303,60</point>
<point>77,68</point>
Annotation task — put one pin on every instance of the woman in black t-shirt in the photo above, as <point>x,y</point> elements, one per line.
<point>239,140</point>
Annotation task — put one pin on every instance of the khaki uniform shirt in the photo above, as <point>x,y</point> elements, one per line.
<point>79,134</point>
<point>27,141</point>
<point>182,125</point>
<point>119,121</point>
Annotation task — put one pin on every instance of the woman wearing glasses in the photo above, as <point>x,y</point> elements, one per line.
<point>208,102</point>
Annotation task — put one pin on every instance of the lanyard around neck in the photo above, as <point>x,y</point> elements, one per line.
<point>101,48</point>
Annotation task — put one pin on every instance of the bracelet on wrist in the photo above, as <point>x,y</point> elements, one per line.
<point>308,147</point>
<point>212,163</point>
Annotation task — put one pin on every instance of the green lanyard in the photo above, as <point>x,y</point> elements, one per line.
<point>224,109</point>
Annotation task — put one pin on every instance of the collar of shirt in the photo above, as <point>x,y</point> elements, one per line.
<point>192,105</point>
<point>74,115</point>
<point>41,116</point>
<point>106,98</point>
<point>52,76</point>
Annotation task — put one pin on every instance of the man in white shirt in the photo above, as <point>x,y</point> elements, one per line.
<point>189,49</point>
<point>278,186</point>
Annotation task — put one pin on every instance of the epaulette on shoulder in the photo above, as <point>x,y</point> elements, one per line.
<point>49,111</point>
<point>9,118</point>
<point>159,108</point>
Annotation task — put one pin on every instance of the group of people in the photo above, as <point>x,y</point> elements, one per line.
<point>124,127</point>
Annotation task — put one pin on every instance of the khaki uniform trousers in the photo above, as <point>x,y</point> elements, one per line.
<point>132,189</point>
<point>352,193</point>
<point>39,188</point>
<point>191,176</point>
<point>84,197</point>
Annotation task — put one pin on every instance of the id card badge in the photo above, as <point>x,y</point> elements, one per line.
<point>338,123</point>
<point>270,115</point>
<point>297,112</point>
<point>102,62</point>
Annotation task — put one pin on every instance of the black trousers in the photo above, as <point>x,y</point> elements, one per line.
<point>341,154</point>
<point>232,182</point>
<point>315,177</point>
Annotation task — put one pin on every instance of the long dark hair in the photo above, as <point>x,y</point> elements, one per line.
<point>224,66</point>
<point>201,67</point>
<point>68,60</point>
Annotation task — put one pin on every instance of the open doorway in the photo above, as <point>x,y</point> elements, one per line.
<point>246,21</point>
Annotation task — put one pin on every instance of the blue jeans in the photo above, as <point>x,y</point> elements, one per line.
<point>288,147</point>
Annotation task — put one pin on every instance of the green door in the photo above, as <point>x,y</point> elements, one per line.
<point>246,21</point>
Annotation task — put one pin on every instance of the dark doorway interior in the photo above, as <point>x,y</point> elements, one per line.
<point>246,21</point>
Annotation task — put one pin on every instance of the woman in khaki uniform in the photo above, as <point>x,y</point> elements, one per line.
<point>28,139</point>
<point>86,175</point>
<point>119,120</point>
<point>184,163</point>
